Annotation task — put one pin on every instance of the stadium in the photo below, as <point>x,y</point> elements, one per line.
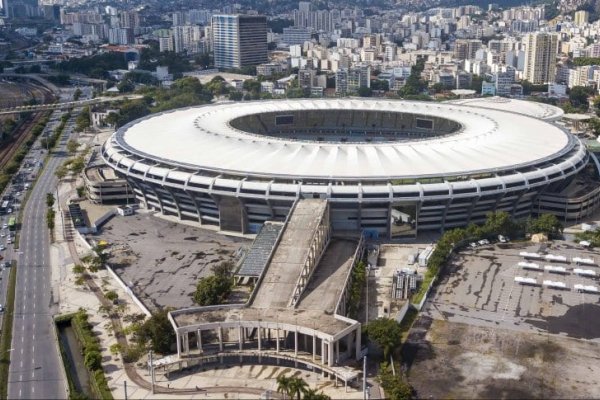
<point>389,168</point>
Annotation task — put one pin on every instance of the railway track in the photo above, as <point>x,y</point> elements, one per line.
<point>9,149</point>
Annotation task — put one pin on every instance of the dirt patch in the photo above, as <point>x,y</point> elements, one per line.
<point>453,360</point>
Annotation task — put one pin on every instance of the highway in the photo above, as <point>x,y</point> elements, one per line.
<point>35,368</point>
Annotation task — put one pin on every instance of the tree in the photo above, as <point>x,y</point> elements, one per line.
<point>394,385</point>
<point>49,199</point>
<point>312,394</point>
<point>578,97</point>
<point>214,289</point>
<point>158,330</point>
<point>594,125</point>
<point>364,91</point>
<point>235,95</point>
<point>72,146</point>
<point>547,224</point>
<point>297,387</point>
<point>76,94</point>
<point>500,223</point>
<point>284,385</point>
<point>385,333</point>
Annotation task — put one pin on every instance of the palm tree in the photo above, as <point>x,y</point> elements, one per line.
<point>284,385</point>
<point>312,394</point>
<point>297,387</point>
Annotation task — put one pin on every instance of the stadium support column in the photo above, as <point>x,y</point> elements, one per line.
<point>178,345</point>
<point>277,340</point>
<point>241,337</point>
<point>330,353</point>
<point>220,333</point>
<point>296,342</point>
<point>199,340</point>
<point>314,347</point>
<point>259,338</point>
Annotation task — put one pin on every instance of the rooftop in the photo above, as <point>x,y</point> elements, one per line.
<point>489,141</point>
<point>534,109</point>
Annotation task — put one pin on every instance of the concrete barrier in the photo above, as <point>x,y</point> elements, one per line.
<point>128,290</point>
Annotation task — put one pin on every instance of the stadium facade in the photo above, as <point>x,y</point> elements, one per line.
<point>387,167</point>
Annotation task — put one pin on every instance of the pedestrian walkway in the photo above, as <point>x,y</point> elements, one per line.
<point>247,382</point>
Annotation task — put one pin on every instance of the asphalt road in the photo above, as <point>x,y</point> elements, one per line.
<point>35,368</point>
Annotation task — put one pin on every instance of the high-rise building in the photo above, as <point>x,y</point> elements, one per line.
<point>129,19</point>
<point>239,40</point>
<point>540,57</point>
<point>581,17</point>
<point>465,49</point>
<point>20,8</point>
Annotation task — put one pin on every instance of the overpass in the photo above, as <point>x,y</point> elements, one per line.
<point>66,105</point>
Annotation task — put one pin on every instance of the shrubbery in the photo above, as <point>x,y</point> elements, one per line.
<point>497,223</point>
<point>359,277</point>
<point>92,355</point>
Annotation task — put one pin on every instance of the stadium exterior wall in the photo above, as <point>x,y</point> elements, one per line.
<point>243,203</point>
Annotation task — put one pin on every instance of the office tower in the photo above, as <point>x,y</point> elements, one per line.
<point>540,57</point>
<point>239,40</point>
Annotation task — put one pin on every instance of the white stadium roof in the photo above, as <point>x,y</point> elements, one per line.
<point>534,109</point>
<point>201,137</point>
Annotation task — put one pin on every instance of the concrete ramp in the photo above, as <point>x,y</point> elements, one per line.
<point>281,277</point>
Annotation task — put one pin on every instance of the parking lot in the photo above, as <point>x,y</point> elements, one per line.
<point>162,260</point>
<point>479,288</point>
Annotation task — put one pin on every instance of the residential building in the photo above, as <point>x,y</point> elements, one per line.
<point>540,57</point>
<point>349,80</point>
<point>581,17</point>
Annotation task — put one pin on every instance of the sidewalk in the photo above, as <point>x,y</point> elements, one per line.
<point>252,381</point>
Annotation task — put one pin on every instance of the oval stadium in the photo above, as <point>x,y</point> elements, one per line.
<point>389,168</point>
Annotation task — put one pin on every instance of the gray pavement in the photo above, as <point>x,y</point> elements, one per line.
<point>35,369</point>
<point>480,290</point>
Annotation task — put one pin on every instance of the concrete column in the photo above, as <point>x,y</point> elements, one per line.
<point>277,340</point>
<point>220,334</point>
<point>241,337</point>
<point>178,345</point>
<point>186,343</point>
<point>349,345</point>
<point>259,339</point>
<point>314,347</point>
<point>199,340</point>
<point>296,342</point>
<point>330,354</point>
<point>323,355</point>
<point>357,355</point>
<point>337,351</point>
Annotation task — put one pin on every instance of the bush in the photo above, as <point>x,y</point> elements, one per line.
<point>92,356</point>
<point>111,295</point>
<point>93,360</point>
